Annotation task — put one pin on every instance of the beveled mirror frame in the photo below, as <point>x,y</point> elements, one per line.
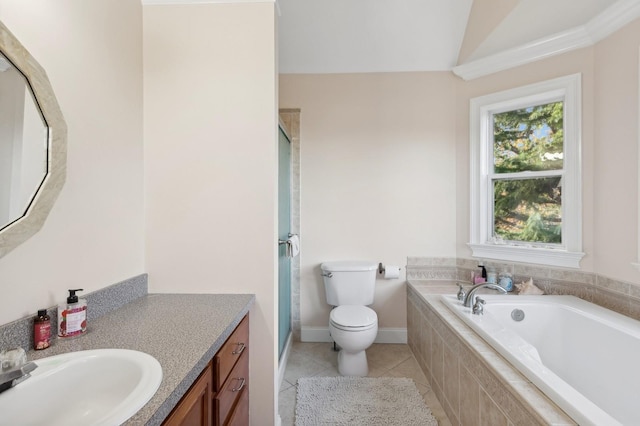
<point>22,229</point>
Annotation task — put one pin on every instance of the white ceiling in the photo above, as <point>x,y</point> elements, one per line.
<point>328,36</point>
<point>348,36</point>
<point>532,20</point>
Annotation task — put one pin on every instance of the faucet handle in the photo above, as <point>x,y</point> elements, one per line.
<point>12,358</point>
<point>478,308</point>
<point>461,293</point>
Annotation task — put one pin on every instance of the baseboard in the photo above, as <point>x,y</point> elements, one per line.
<point>385,335</point>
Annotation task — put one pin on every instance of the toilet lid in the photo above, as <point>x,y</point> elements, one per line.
<point>356,316</point>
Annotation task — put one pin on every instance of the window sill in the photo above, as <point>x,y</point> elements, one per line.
<point>540,256</point>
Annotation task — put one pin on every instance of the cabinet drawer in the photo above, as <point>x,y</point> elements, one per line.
<point>237,384</point>
<point>240,414</point>
<point>230,352</point>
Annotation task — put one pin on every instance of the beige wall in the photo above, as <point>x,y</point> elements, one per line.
<point>377,152</point>
<point>615,181</point>
<point>211,164</point>
<point>609,146</point>
<point>92,52</point>
<point>377,177</point>
<point>580,61</point>
<point>384,161</point>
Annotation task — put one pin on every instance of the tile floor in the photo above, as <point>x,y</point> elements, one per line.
<point>319,359</point>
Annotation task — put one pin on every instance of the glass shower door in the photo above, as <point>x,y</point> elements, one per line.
<point>284,228</point>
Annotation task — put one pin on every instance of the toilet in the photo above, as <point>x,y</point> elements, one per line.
<point>350,287</point>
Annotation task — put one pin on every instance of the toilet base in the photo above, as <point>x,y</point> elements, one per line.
<point>352,364</point>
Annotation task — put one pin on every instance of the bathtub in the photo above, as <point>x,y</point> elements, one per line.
<point>583,357</point>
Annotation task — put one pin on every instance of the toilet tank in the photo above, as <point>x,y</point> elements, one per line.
<point>349,282</point>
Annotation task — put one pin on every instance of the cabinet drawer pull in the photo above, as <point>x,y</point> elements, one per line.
<point>238,351</point>
<point>241,379</point>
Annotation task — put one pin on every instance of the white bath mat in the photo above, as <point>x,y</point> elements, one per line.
<point>360,401</point>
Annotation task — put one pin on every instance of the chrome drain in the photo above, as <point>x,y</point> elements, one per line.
<point>517,315</point>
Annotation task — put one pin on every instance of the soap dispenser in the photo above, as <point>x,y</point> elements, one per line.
<point>481,275</point>
<point>72,316</point>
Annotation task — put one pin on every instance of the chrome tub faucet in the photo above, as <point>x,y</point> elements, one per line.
<point>469,299</point>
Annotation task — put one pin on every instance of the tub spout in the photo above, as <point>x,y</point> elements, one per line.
<point>469,300</point>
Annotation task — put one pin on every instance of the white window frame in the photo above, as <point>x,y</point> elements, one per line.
<point>569,252</point>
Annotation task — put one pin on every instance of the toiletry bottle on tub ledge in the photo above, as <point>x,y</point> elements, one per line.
<point>480,276</point>
<point>72,316</point>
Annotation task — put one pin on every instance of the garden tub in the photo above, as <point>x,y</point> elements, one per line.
<point>582,356</point>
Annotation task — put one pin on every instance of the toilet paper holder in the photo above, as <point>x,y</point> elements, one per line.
<point>381,268</point>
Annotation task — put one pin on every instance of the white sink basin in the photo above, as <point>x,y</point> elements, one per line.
<point>96,387</point>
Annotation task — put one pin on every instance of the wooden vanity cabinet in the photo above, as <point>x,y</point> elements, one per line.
<point>220,396</point>
<point>194,409</point>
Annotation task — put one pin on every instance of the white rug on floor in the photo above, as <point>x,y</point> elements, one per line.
<point>360,401</point>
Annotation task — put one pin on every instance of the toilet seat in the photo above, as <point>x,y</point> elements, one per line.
<point>353,318</point>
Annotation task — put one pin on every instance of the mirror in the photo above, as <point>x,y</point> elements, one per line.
<point>33,153</point>
<point>23,144</point>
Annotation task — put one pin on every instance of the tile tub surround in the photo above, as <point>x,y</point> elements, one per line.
<point>182,331</point>
<point>619,296</point>
<point>19,333</point>
<point>474,384</point>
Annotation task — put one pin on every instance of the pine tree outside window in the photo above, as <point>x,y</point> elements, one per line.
<point>525,174</point>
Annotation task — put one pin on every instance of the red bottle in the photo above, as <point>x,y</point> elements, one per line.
<point>41,330</point>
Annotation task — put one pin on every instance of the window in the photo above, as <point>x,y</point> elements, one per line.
<point>525,174</point>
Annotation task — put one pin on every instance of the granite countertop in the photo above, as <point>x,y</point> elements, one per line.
<point>182,331</point>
